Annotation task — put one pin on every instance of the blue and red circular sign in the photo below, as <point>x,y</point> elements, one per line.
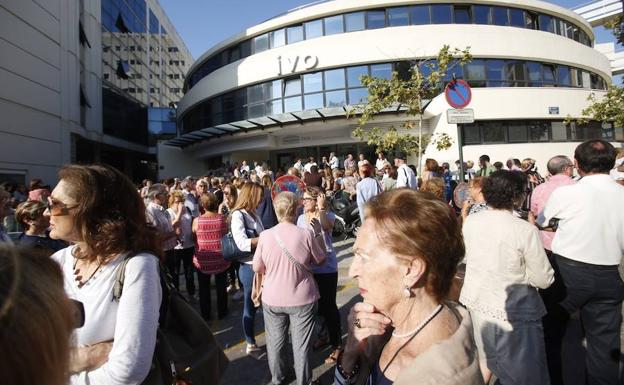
<point>458,93</point>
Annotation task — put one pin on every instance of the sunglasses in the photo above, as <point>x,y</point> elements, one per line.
<point>58,207</point>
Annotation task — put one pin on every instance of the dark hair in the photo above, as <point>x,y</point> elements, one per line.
<point>504,189</point>
<point>35,184</point>
<point>498,165</point>
<point>209,202</point>
<point>419,225</point>
<point>484,158</point>
<point>110,217</point>
<point>595,156</point>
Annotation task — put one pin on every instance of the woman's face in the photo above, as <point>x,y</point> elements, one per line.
<point>309,203</point>
<point>61,211</point>
<point>227,194</point>
<point>378,272</point>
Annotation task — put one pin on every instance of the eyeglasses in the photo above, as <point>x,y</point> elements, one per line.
<point>309,199</point>
<point>58,207</point>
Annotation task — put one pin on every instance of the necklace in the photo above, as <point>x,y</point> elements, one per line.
<point>421,325</point>
<point>78,278</point>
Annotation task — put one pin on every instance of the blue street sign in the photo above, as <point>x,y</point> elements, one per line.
<point>458,94</point>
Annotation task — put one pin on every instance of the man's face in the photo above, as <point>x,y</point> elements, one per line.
<point>481,162</point>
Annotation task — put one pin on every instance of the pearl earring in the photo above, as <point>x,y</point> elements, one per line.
<point>407,292</point>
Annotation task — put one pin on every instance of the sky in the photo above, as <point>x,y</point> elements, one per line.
<point>204,23</point>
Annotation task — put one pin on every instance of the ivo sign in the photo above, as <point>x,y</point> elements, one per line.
<point>290,65</point>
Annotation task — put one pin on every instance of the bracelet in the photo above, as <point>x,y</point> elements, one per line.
<point>347,376</point>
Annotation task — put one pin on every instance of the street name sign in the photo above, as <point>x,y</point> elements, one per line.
<point>462,116</point>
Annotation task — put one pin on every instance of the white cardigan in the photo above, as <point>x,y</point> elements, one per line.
<point>131,323</point>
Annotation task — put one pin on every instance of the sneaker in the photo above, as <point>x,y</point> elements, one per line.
<point>238,295</point>
<point>256,352</point>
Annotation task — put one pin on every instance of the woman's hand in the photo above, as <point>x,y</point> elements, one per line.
<point>320,201</point>
<point>364,321</point>
<point>315,224</point>
<point>89,357</point>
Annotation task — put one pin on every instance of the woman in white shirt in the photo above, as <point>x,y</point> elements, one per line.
<point>246,227</point>
<point>98,210</point>
<point>505,265</point>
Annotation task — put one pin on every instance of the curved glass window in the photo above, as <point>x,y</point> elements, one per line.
<point>342,86</point>
<point>389,17</point>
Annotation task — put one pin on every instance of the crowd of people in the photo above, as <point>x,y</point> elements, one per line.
<point>536,251</point>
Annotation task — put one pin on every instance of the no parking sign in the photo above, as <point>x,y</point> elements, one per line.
<point>458,93</point>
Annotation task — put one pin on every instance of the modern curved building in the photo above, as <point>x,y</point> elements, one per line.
<point>282,88</point>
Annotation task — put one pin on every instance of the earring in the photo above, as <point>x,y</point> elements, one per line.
<point>407,292</point>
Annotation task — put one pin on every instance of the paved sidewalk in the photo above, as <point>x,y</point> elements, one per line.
<point>248,371</point>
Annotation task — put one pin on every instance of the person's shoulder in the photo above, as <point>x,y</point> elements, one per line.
<point>141,262</point>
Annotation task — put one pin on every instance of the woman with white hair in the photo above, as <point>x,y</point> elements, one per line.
<point>285,255</point>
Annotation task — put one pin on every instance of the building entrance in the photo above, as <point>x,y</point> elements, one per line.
<point>283,159</point>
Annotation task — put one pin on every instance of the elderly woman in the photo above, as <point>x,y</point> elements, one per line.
<point>99,210</point>
<point>326,275</point>
<point>30,216</point>
<point>285,255</point>
<point>246,226</point>
<point>505,266</point>
<point>182,221</point>
<point>476,201</point>
<point>404,332</point>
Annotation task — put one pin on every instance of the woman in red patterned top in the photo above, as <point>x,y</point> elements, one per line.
<point>208,259</point>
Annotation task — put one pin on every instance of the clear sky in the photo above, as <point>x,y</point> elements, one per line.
<point>204,23</point>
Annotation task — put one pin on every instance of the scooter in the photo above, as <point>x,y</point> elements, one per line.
<point>347,215</point>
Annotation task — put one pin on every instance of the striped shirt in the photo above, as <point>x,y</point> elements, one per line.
<point>208,257</point>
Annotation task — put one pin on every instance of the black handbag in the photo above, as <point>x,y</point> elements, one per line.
<point>186,351</point>
<point>230,250</point>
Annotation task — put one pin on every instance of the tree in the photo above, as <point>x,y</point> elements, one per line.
<point>606,108</point>
<point>407,91</point>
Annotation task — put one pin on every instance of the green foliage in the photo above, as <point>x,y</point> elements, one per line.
<point>408,92</point>
<point>605,108</point>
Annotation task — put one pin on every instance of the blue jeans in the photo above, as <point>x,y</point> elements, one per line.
<point>246,274</point>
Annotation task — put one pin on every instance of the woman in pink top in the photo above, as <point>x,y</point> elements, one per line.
<point>208,259</point>
<point>285,254</point>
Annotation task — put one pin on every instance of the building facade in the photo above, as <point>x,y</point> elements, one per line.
<point>79,80</point>
<point>282,89</point>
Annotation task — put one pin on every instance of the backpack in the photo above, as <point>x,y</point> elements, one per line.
<point>186,351</point>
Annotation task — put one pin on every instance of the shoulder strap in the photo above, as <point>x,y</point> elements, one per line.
<point>407,178</point>
<point>297,264</point>
<point>120,276</point>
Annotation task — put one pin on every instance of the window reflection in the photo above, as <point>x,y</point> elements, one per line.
<point>335,98</point>
<point>441,14</point>
<point>354,21</point>
<point>398,16</point>
<point>375,19</point>
<point>313,29</point>
<point>420,15</point>
<point>334,79</point>
<point>333,25</point>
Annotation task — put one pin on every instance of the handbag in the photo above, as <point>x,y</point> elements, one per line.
<point>230,250</point>
<point>186,351</point>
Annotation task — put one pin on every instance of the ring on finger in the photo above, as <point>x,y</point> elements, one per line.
<point>357,323</point>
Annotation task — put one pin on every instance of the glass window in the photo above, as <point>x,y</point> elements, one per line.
<point>261,43</point>
<point>619,134</point>
<point>559,133</point>
<point>273,89</point>
<point>462,14</point>
<point>576,77</point>
<point>517,132</point>
<point>354,21</point>
<point>475,70</point>
<point>375,19</point>
<point>313,29</point>
<point>256,110</point>
<point>358,96</point>
<point>398,16</point>
<point>563,76</point>
<point>354,74</point>
<point>594,81</point>
<point>493,132</point>
<point>274,107</point>
<point>313,82</point>
<point>383,71</point>
<point>514,73</point>
<point>586,80</point>
<point>292,87</point>
<point>293,104</point>
<point>278,38</point>
<point>545,23</point>
<point>441,14</point>
<point>245,48</point>
<point>295,34</point>
<point>235,53</point>
<point>576,132</point>
<point>481,14</point>
<point>420,15</point>
<point>530,20</point>
<point>548,74</point>
<point>534,70</point>
<point>495,73</point>
<point>569,30</point>
<point>335,98</point>
<point>334,79</point>
<point>333,25</point>
<point>538,131</point>
<point>313,101</point>
<point>499,16</point>
<point>516,17</point>
<point>594,130</point>
<point>255,93</point>
<point>471,133</point>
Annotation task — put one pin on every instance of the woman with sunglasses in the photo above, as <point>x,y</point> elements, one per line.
<point>326,275</point>
<point>98,210</point>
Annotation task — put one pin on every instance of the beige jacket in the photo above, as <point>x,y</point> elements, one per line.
<point>451,362</point>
